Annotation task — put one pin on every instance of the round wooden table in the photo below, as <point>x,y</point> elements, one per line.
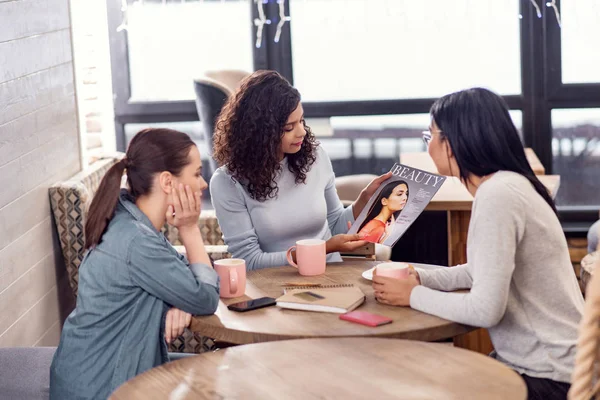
<point>330,369</point>
<point>274,323</point>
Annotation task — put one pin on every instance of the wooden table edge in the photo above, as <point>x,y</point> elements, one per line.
<point>187,364</point>
<point>452,330</point>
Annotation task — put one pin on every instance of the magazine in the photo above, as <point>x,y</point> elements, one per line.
<point>396,204</point>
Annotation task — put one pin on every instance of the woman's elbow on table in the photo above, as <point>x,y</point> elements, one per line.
<point>488,318</point>
<point>208,302</point>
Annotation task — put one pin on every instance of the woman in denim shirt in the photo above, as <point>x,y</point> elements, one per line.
<point>136,293</point>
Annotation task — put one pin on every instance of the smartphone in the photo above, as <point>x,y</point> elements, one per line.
<point>253,304</point>
<point>366,318</point>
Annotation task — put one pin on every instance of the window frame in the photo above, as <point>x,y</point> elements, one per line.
<point>564,95</point>
<point>542,88</point>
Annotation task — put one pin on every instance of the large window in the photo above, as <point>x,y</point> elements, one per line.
<point>168,45</point>
<point>369,70</point>
<point>576,150</point>
<point>580,35</point>
<point>371,144</point>
<point>381,49</point>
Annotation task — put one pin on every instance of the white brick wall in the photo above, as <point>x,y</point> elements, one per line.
<point>39,145</point>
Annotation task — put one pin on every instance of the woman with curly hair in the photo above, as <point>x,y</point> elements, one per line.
<point>276,184</point>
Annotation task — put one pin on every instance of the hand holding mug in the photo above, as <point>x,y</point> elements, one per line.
<point>414,273</point>
<point>395,292</point>
<point>393,283</point>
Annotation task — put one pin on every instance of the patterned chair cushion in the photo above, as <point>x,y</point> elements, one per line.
<point>217,252</point>
<point>191,342</point>
<point>214,252</point>
<point>209,227</point>
<point>70,201</point>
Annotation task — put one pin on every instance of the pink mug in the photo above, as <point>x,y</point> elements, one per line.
<point>232,272</point>
<point>397,270</point>
<point>311,256</point>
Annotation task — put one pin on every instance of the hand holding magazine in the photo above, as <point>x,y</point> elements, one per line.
<point>396,204</point>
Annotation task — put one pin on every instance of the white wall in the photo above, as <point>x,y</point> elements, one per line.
<point>39,145</point>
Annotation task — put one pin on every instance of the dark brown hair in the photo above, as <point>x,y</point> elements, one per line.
<point>249,130</point>
<point>150,152</point>
<point>377,205</point>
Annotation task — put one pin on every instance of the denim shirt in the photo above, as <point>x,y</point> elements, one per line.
<point>126,285</point>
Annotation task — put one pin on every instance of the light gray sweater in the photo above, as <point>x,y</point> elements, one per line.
<point>523,288</point>
<point>261,232</point>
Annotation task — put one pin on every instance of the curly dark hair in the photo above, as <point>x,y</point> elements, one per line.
<point>249,130</point>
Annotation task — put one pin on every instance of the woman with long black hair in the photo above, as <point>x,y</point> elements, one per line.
<point>382,216</point>
<point>521,280</point>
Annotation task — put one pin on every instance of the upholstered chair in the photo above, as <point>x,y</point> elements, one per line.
<point>212,90</point>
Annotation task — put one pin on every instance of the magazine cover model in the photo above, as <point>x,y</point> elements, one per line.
<point>396,204</point>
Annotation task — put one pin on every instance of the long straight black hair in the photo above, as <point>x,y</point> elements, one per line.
<point>482,136</point>
<point>385,193</point>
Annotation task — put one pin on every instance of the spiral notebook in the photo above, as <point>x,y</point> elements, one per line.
<point>291,286</point>
<point>337,299</point>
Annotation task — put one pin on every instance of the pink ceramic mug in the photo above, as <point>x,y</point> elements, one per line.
<point>232,272</point>
<point>398,270</point>
<point>311,256</point>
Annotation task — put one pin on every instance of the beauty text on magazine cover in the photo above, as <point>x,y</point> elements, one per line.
<point>396,204</point>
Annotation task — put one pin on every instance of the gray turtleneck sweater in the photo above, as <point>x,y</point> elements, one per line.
<point>523,288</point>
